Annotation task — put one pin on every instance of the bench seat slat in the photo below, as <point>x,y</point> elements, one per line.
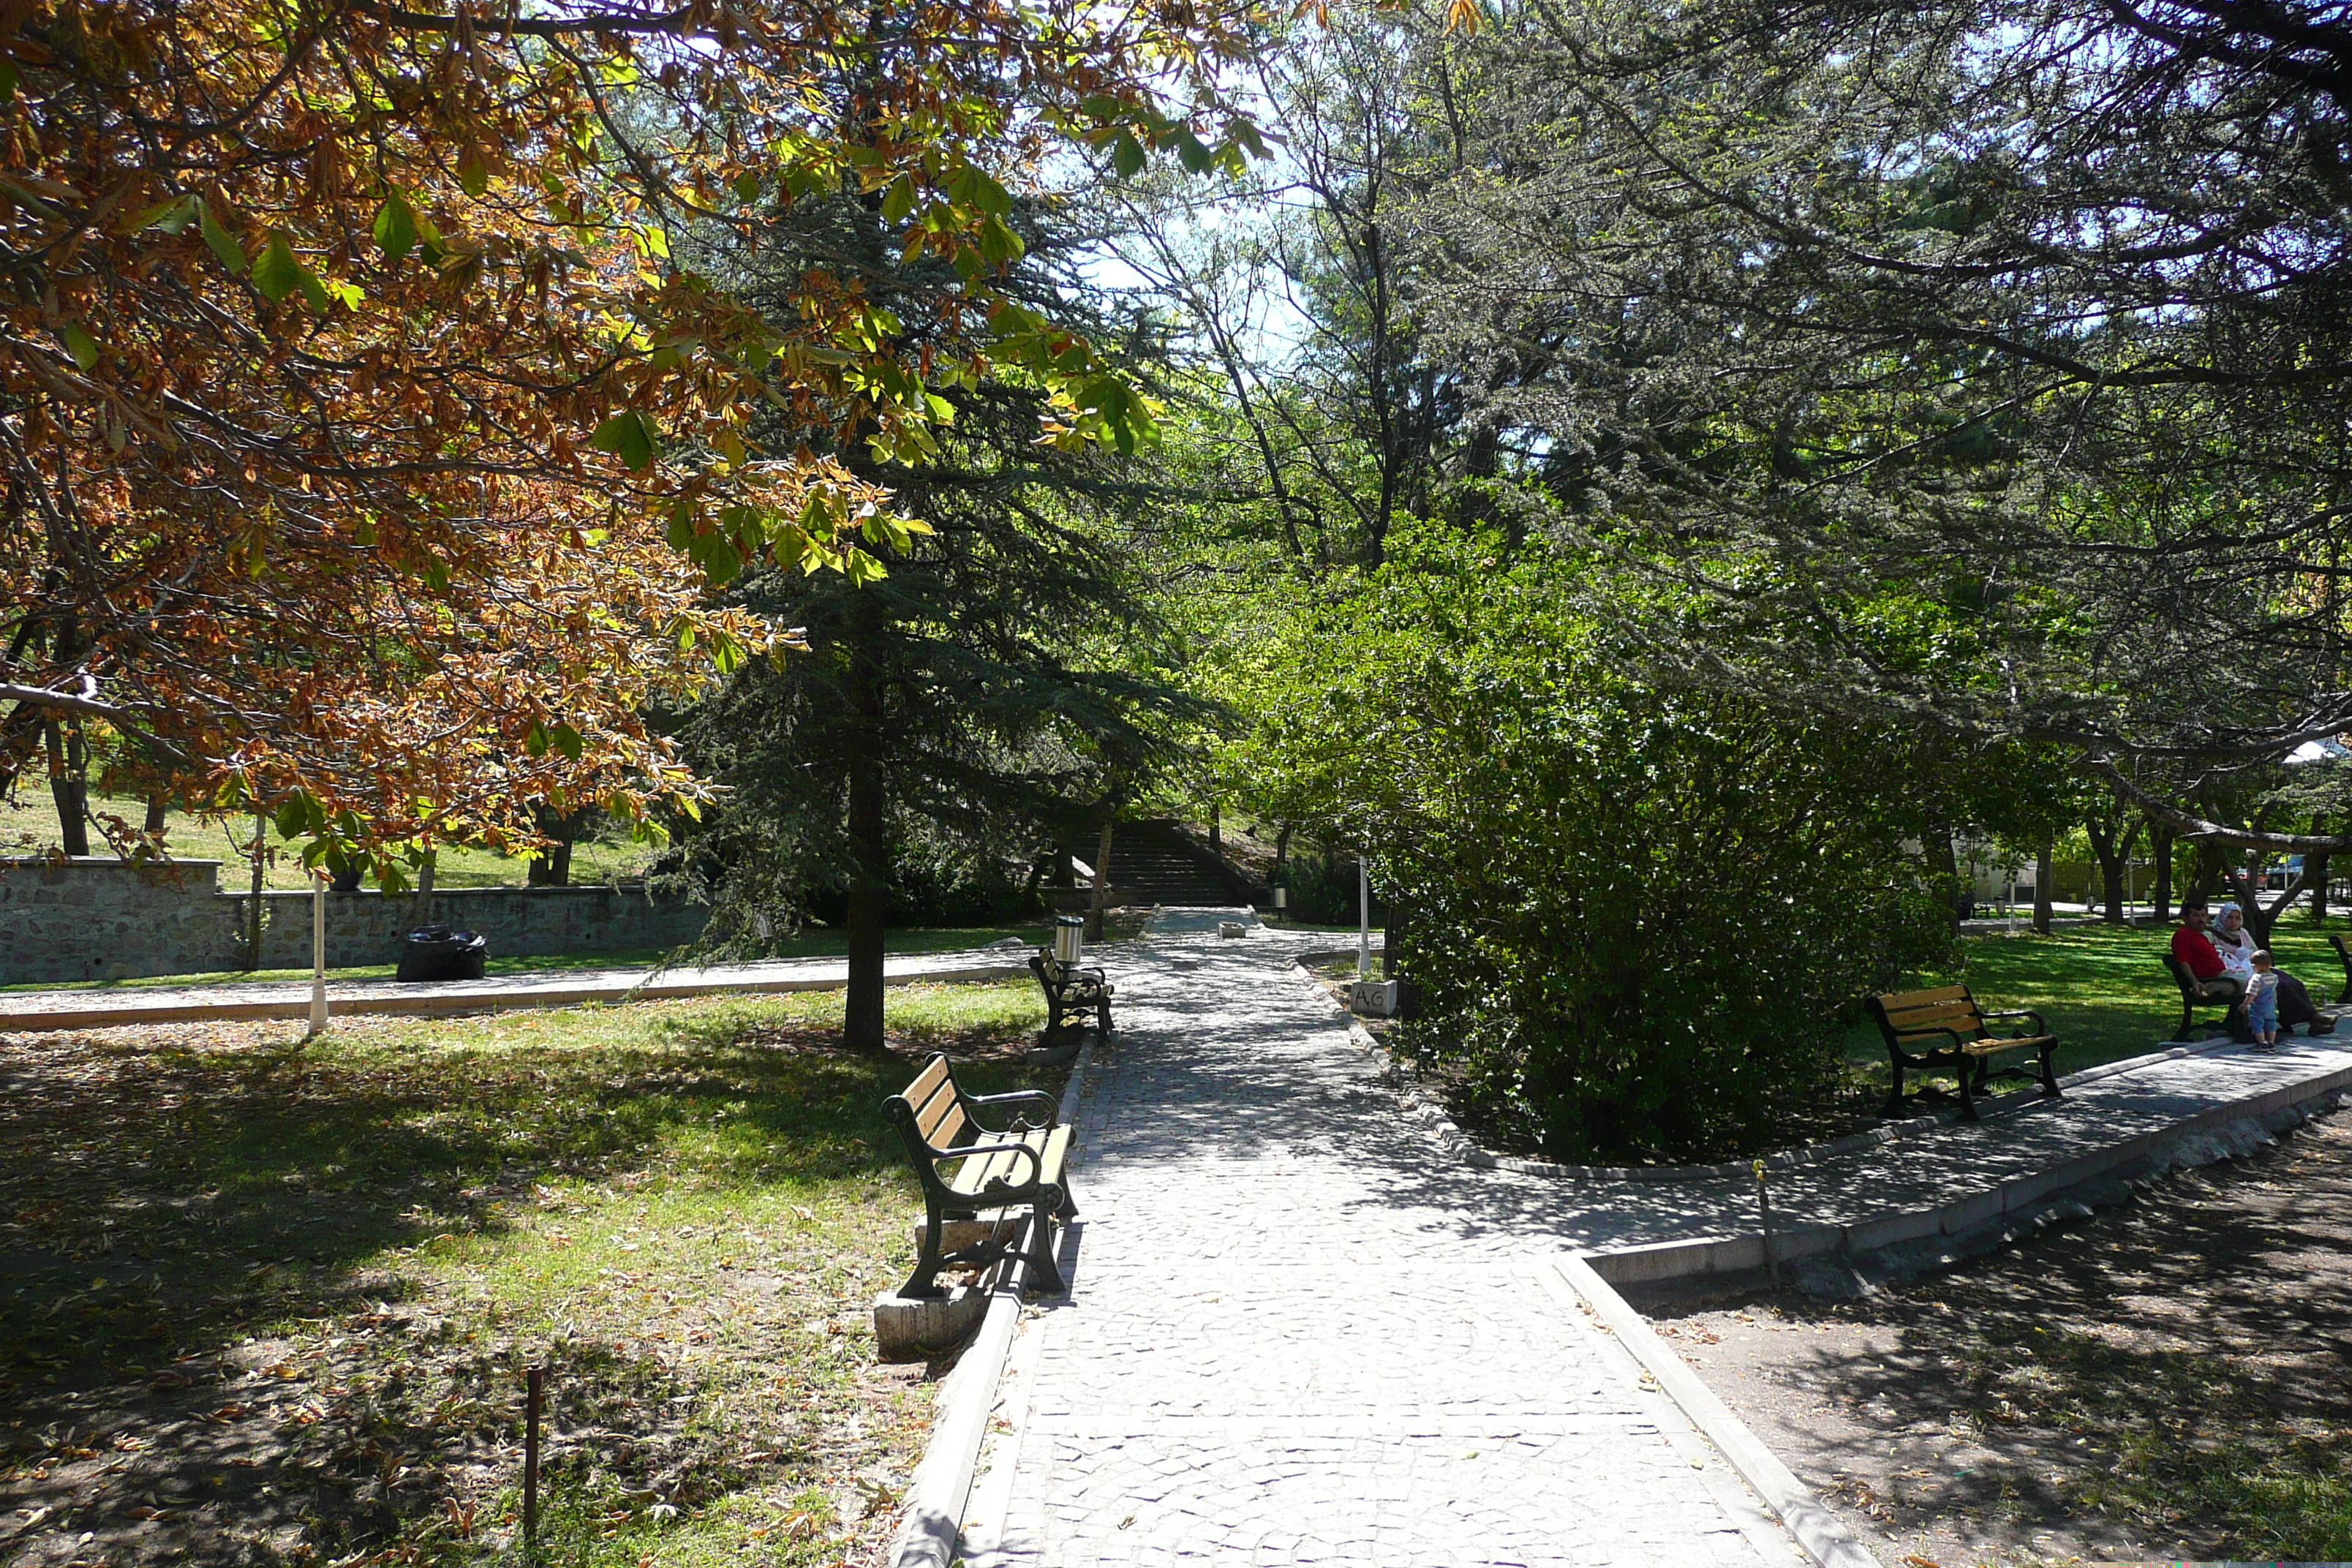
<point>1992,1045</point>
<point>1052,1146</point>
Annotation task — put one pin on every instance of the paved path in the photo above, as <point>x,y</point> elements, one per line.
<point>1294,1336</point>
<point>87,1008</point>
<point>1298,1331</point>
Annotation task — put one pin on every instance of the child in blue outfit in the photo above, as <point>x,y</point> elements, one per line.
<point>2262,1003</point>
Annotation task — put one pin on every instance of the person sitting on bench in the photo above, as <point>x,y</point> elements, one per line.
<point>2234,945</point>
<point>2197,953</point>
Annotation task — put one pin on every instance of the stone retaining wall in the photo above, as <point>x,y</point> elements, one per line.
<point>99,919</point>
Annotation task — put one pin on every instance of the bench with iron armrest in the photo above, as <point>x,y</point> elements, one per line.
<point>2193,996</point>
<point>968,1168</point>
<point>1943,1030</point>
<point>2345,955</point>
<point>1070,989</point>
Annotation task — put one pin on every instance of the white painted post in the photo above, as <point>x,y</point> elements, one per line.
<point>317,956</point>
<point>1363,919</point>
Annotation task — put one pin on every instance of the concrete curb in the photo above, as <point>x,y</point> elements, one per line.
<point>440,1001</point>
<point>1818,1531</point>
<point>933,1521</point>
<point>1671,1260</point>
<point>1423,1110</point>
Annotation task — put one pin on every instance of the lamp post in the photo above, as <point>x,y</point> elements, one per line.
<point>1363,919</point>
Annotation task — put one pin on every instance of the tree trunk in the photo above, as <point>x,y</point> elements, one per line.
<point>2315,871</point>
<point>1942,864</point>
<point>2160,897</point>
<point>869,904</point>
<point>2042,872</point>
<point>159,803</point>
<point>2211,873</point>
<point>2113,846</point>
<point>253,903</point>
<point>551,867</point>
<point>1217,829</point>
<point>66,788</point>
<point>1281,852</point>
<point>420,909</point>
<point>1101,899</point>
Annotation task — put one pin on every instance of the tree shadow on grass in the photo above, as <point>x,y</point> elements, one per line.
<point>167,1194</point>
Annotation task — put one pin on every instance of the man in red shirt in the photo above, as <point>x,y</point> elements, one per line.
<point>2194,949</point>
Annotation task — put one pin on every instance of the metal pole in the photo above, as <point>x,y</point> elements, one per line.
<point>537,1389</point>
<point>1363,919</point>
<point>317,956</point>
<point>1764,1207</point>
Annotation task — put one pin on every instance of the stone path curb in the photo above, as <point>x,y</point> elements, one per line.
<point>1672,1260</point>
<point>942,1480</point>
<point>1825,1540</point>
<point>291,999</point>
<point>1432,1116</point>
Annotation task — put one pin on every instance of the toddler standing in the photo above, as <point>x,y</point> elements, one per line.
<point>2262,1002</point>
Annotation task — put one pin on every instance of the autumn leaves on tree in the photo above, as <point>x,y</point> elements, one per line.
<point>370,451</point>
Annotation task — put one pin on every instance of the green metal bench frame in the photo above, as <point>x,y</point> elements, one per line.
<point>996,1168</point>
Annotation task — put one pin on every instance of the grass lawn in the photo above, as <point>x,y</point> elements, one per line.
<point>273,1305</point>
<point>29,825</point>
<point>825,942</point>
<point>2103,990</point>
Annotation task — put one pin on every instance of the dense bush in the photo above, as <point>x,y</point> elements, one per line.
<point>1635,916</point>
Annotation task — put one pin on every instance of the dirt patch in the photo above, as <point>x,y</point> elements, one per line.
<point>270,1307</point>
<point>2170,1379</point>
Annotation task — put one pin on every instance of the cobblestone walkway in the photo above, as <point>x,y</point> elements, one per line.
<point>1296,1337</point>
<point>1299,1332</point>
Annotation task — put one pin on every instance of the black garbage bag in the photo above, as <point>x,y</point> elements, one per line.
<point>436,953</point>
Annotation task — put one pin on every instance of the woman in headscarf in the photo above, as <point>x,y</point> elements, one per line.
<point>2235,945</point>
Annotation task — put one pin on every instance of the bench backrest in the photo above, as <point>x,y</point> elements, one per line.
<point>930,1111</point>
<point>2183,976</point>
<point>1904,1016</point>
<point>2342,951</point>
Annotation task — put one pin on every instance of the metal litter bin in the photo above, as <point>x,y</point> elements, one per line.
<point>1069,931</point>
<point>436,953</point>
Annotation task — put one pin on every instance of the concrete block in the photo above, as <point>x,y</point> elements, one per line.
<point>906,1330</point>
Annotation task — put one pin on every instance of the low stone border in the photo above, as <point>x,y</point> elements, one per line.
<point>933,1520</point>
<point>431,1000</point>
<point>1666,1261</point>
<point>1824,1540</point>
<point>1421,1107</point>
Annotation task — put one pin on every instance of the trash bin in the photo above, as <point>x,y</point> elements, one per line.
<point>1068,930</point>
<point>436,953</point>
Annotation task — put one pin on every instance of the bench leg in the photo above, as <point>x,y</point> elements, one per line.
<point>2236,1022</point>
<point>2187,1021</point>
<point>1894,1106</point>
<point>1962,1075</point>
<point>1044,1273</point>
<point>1102,1016</point>
<point>920,1285</point>
<point>2048,1078</point>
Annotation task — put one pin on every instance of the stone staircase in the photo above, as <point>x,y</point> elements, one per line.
<point>1156,862</point>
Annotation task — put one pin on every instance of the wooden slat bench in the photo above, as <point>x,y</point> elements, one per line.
<point>2193,996</point>
<point>968,1168</point>
<point>1943,1030</point>
<point>1070,989</point>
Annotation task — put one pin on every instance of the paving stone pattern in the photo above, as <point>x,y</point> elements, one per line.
<point>1296,1335</point>
<point>1300,1331</point>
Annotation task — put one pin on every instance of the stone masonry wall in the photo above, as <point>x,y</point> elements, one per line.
<point>99,919</point>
